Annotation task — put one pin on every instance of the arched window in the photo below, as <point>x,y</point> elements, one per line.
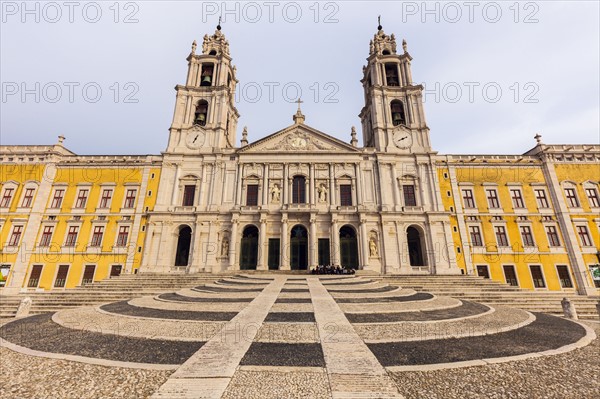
<point>391,74</point>
<point>398,113</point>
<point>299,190</point>
<point>183,246</point>
<point>416,248</point>
<point>212,52</point>
<point>207,75</point>
<point>201,114</point>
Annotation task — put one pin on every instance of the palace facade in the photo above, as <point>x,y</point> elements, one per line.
<point>300,197</point>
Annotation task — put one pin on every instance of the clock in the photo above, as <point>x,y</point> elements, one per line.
<point>402,139</point>
<point>195,139</point>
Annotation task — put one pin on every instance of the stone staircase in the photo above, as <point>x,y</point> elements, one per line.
<point>109,290</point>
<point>479,289</point>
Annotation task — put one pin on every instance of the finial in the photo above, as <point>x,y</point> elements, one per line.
<point>299,101</point>
<point>194,45</point>
<point>538,138</point>
<point>61,138</point>
<point>404,45</point>
<point>244,140</point>
<point>353,141</point>
<point>298,116</point>
<point>219,25</point>
<point>379,27</point>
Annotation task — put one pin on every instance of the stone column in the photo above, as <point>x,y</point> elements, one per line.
<point>175,186</point>
<point>335,239</point>
<point>312,243</point>
<point>312,184</point>
<point>357,173</point>
<point>395,187</point>
<point>364,243</point>
<point>262,245</point>
<point>233,243</point>
<point>238,192</point>
<point>284,256</point>
<point>265,192</point>
<point>285,185</point>
<point>332,196</point>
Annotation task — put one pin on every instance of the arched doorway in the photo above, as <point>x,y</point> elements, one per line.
<point>299,248</point>
<point>182,255</point>
<point>249,248</point>
<point>348,248</point>
<point>415,246</point>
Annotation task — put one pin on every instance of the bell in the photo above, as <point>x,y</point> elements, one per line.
<point>397,117</point>
<point>200,119</point>
<point>206,80</point>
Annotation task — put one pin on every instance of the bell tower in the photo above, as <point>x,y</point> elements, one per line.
<point>205,117</point>
<point>393,119</point>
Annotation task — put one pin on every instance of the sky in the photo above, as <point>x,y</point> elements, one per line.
<point>103,73</point>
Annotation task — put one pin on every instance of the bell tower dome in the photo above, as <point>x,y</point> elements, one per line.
<point>205,117</point>
<point>393,119</point>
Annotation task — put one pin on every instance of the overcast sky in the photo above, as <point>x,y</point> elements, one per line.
<point>542,56</point>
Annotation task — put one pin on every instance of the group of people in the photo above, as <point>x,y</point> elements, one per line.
<point>328,269</point>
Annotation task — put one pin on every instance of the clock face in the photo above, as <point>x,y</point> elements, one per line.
<point>402,139</point>
<point>195,139</point>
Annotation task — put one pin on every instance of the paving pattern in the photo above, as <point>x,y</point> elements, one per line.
<point>278,336</point>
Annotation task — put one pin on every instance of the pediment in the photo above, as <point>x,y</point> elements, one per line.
<point>298,138</point>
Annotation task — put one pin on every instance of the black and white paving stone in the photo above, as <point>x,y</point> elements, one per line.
<point>126,309</point>
<point>173,296</point>
<point>467,309</point>
<point>285,355</point>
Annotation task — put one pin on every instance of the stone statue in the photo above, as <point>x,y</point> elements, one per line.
<point>373,252</point>
<point>225,247</point>
<point>275,193</point>
<point>322,190</point>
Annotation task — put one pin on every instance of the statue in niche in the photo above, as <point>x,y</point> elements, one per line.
<point>373,251</point>
<point>275,193</point>
<point>322,190</point>
<point>225,247</point>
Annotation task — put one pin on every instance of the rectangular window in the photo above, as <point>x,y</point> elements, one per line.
<point>527,236</point>
<point>482,271</point>
<point>81,198</point>
<point>409,195</point>
<point>72,236</point>
<point>584,236</point>
<point>572,200</point>
<point>273,253</point>
<point>97,236</point>
<point>46,236</point>
<point>61,276</point>
<point>252,195</point>
<point>189,191</point>
<point>540,196</point>
<point>492,197</point>
<point>122,237</point>
<point>501,237</point>
<point>57,199</point>
<point>510,275</point>
<point>346,195</point>
<point>34,277</point>
<point>476,240</point>
<point>592,195</point>
<point>106,197</point>
<point>7,197</point>
<point>537,276</point>
<point>517,198</point>
<point>468,200</point>
<point>553,239</point>
<point>299,190</point>
<point>564,276</point>
<point>15,237</point>
<point>27,198</point>
<point>88,274</point>
<point>130,198</point>
<point>115,270</point>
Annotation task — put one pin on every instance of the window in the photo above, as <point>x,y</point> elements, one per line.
<point>88,274</point>
<point>188,195</point>
<point>482,271</point>
<point>299,190</point>
<point>510,275</point>
<point>346,195</point>
<point>572,200</point>
<point>553,239</point>
<point>206,75</point>
<point>15,237</point>
<point>46,236</point>
<point>584,236</point>
<point>97,236</point>
<point>81,198</point>
<point>57,199</point>
<point>409,195</point>
<point>527,236</point>
<point>492,197</point>
<point>501,237</point>
<point>106,197</point>
<point>7,197</point>
<point>61,276</point>
<point>27,198</point>
<point>517,198</point>
<point>72,236</point>
<point>540,196</point>
<point>130,198</point>
<point>564,276</point>
<point>252,194</point>
<point>468,200</point>
<point>34,277</point>
<point>592,195</point>
<point>537,276</point>
<point>122,237</point>
<point>397,109</point>
<point>201,113</point>
<point>475,236</point>
<point>391,74</point>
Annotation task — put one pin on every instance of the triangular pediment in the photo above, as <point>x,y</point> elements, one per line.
<point>298,138</point>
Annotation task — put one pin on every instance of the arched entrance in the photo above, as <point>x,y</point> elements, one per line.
<point>299,248</point>
<point>348,248</point>
<point>249,248</point>
<point>414,239</point>
<point>182,255</point>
